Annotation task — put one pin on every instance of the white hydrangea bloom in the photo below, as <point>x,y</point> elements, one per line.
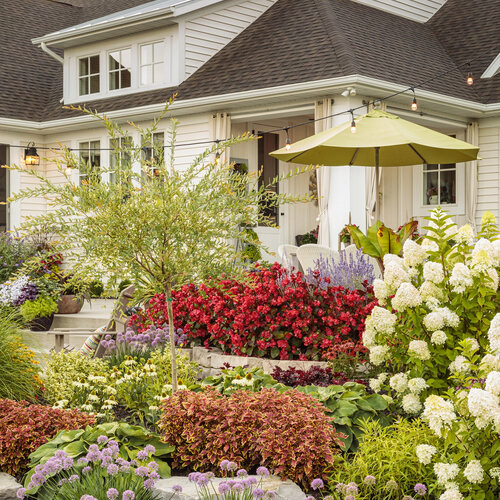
<point>429,245</point>
<point>433,272</point>
<point>472,344</point>
<point>378,354</point>
<point>452,494</point>
<point>494,334</point>
<point>411,404</point>
<point>461,278</point>
<point>450,318</point>
<point>465,235</point>
<point>438,413</point>
<point>495,472</point>
<point>406,296</point>
<point>474,472</point>
<point>484,245</point>
<point>431,293</point>
<point>496,252</point>
<point>434,321</point>
<point>399,382</point>
<point>425,452</point>
<point>394,275</point>
<point>380,289</point>
<point>383,377</point>
<point>493,383</point>
<point>391,258</point>
<point>375,385</point>
<point>383,320</point>
<point>481,261</point>
<point>417,385</point>
<point>459,365</point>
<point>445,472</point>
<point>490,363</point>
<point>439,337</point>
<point>369,335</point>
<point>419,349</point>
<point>413,253</point>
<point>483,404</point>
<point>492,282</point>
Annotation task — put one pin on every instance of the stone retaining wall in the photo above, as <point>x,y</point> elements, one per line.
<point>211,361</point>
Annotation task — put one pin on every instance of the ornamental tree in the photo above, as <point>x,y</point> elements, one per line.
<point>158,224</point>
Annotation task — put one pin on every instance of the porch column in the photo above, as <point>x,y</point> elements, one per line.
<point>347,184</point>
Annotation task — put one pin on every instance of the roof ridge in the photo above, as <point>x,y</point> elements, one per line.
<point>337,39</point>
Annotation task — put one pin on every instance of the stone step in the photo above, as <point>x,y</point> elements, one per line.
<point>89,319</point>
<point>99,306</point>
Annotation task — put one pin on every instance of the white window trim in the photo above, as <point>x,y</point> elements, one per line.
<point>78,77</point>
<point>421,210</point>
<point>163,62</point>
<point>109,71</point>
<point>88,141</point>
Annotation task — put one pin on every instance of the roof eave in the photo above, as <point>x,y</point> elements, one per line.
<point>493,68</point>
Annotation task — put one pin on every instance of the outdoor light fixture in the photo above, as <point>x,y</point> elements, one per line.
<point>288,142</point>
<point>414,105</point>
<point>353,123</point>
<point>349,92</point>
<point>470,78</point>
<point>30,155</point>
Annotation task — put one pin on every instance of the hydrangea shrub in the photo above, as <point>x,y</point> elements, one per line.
<point>437,331</point>
<point>289,433</point>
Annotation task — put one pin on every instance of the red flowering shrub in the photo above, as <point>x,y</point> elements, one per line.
<point>25,427</point>
<point>316,375</point>
<point>274,315</point>
<point>289,433</point>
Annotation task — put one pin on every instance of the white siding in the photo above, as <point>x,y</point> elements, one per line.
<point>488,172</point>
<point>206,35</point>
<point>417,10</point>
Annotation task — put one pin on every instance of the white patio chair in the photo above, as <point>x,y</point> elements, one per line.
<point>288,256</point>
<point>309,254</point>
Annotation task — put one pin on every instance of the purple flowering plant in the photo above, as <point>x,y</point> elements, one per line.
<point>100,471</point>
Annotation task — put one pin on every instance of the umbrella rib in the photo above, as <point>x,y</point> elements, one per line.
<point>354,157</point>
<point>417,153</point>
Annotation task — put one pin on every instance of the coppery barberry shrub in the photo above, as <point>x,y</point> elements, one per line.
<point>24,427</point>
<point>287,432</point>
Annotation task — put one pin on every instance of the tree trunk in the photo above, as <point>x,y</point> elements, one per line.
<point>172,337</point>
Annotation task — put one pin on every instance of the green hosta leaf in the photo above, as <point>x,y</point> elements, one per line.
<point>163,468</point>
<point>75,449</point>
<point>374,401</point>
<point>68,436</point>
<point>345,409</point>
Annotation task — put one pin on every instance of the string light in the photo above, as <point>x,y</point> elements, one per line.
<point>288,142</point>
<point>470,78</point>
<point>353,123</point>
<point>414,105</point>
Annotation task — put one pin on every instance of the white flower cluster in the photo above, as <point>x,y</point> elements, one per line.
<point>451,494</point>
<point>413,253</point>
<point>394,274</point>
<point>433,272</point>
<point>445,472</point>
<point>406,296</point>
<point>465,235</point>
<point>493,383</point>
<point>376,383</point>
<point>431,294</point>
<point>474,472</point>
<point>9,292</point>
<point>425,452</point>
<point>417,385</point>
<point>438,413</point>
<point>461,278</point>
<point>494,334</point>
<point>439,337</point>
<point>383,320</point>
<point>378,354</point>
<point>484,406</point>
<point>411,404</point>
<point>380,290</point>
<point>434,321</point>
<point>419,349</point>
<point>399,382</point>
<point>459,365</point>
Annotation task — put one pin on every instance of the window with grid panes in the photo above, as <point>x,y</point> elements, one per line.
<point>117,156</point>
<point>119,72</point>
<point>154,154</point>
<point>88,75</point>
<point>90,154</point>
<point>152,63</point>
<point>439,184</point>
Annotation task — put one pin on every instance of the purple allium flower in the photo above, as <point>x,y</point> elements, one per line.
<point>270,494</point>
<point>232,466</point>
<point>154,476</point>
<point>153,465</point>
<point>93,448</point>
<point>391,485</point>
<point>350,497</point>
<point>252,480</point>
<point>177,488</point>
<point>21,493</point>
<point>258,493</point>
<point>224,464</point>
<point>73,478</point>
<point>150,449</point>
<point>102,439</point>
<point>317,484</point>
<point>142,455</point>
<point>369,480</point>
<point>242,473</point>
<point>420,489</point>
<point>128,495</point>
<point>112,469</point>
<point>62,481</point>
<point>193,476</point>
<point>223,488</point>
<point>149,484</point>
<point>202,480</point>
<point>113,444</point>
<point>86,469</point>
<point>351,488</point>
<point>238,486</point>
<point>263,471</point>
<point>112,493</point>
<point>93,456</point>
<point>81,461</point>
<point>37,479</point>
<point>141,471</point>
<point>407,497</point>
<point>88,497</point>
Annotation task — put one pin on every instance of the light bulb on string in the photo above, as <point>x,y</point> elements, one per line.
<point>288,142</point>
<point>353,123</point>
<point>470,78</point>
<point>414,105</point>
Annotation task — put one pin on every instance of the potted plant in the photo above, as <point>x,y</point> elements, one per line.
<point>39,313</point>
<point>74,291</point>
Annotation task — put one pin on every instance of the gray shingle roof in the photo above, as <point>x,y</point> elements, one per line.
<point>294,41</point>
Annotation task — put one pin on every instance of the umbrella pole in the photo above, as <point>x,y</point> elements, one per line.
<point>377,167</point>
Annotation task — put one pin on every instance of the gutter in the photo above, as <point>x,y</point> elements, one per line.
<point>364,85</point>
<point>51,53</point>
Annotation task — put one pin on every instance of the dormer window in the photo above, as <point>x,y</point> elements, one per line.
<point>119,69</point>
<point>152,62</point>
<point>88,74</point>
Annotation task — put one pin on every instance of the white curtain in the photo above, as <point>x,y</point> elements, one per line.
<point>322,108</point>
<point>220,129</point>
<point>372,185</point>
<point>472,137</point>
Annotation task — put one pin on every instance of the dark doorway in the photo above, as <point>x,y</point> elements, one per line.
<point>268,142</point>
<point>4,187</point>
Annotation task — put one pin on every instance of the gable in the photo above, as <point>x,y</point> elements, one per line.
<point>416,10</point>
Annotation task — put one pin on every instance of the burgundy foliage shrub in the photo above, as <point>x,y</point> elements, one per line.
<point>316,375</point>
<point>24,427</point>
<point>289,433</point>
<point>275,314</point>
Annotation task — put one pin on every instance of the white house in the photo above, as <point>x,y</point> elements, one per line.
<point>259,65</point>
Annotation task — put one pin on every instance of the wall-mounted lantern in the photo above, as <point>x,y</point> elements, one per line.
<point>30,155</point>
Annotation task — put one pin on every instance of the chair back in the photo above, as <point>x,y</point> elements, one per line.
<point>309,254</point>
<point>288,257</point>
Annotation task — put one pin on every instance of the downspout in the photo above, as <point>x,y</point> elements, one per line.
<point>51,53</point>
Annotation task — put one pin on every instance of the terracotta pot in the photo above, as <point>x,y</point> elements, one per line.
<point>42,324</point>
<point>69,304</point>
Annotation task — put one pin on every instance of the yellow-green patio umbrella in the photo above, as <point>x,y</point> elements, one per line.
<point>380,140</point>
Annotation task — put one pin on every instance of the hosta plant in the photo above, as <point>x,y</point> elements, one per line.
<point>76,444</point>
<point>234,379</point>
<point>289,433</point>
<point>25,427</point>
